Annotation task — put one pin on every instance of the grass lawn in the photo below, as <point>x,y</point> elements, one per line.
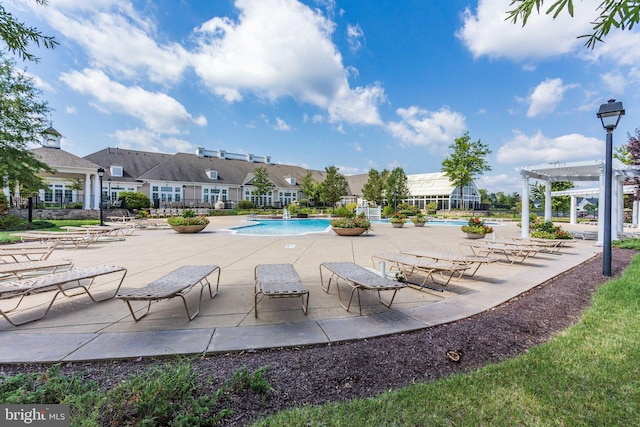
<point>5,236</point>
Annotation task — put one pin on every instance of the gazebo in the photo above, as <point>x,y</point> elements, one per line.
<point>593,171</point>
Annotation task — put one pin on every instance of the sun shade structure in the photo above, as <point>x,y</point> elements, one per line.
<point>580,172</point>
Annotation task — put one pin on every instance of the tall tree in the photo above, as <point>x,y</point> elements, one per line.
<point>558,203</point>
<point>261,182</point>
<point>373,189</point>
<point>23,118</point>
<point>333,187</point>
<point>18,35</point>
<point>467,161</point>
<point>395,187</point>
<point>622,14</point>
<point>310,188</point>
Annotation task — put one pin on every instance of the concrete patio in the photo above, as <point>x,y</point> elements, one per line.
<point>77,329</point>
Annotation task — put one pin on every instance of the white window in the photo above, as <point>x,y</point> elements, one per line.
<point>115,170</point>
<point>212,174</point>
<point>213,194</point>
<point>291,180</point>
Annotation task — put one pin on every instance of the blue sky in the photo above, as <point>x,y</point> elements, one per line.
<point>316,83</point>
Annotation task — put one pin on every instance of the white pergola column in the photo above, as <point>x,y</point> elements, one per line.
<point>96,192</point>
<point>573,212</point>
<point>601,203</point>
<point>524,229</point>
<point>618,186</point>
<point>547,201</point>
<point>634,213</point>
<point>86,203</point>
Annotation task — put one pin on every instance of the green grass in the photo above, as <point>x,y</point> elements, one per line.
<point>5,236</point>
<point>171,394</point>
<point>587,375</point>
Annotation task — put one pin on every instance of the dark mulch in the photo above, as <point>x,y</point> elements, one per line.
<point>328,373</point>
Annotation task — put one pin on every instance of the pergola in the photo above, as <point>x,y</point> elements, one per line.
<point>581,172</point>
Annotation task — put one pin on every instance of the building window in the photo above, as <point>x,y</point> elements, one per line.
<point>115,170</point>
<point>213,194</point>
<point>212,174</point>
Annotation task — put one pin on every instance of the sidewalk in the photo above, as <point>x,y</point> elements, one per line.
<point>77,329</point>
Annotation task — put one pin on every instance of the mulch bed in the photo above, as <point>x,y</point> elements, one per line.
<point>336,372</point>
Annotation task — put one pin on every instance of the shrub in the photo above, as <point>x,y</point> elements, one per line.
<point>188,217</point>
<point>476,226</point>
<point>397,218</point>
<point>342,211</point>
<point>135,200</point>
<point>352,222</point>
<point>245,204</point>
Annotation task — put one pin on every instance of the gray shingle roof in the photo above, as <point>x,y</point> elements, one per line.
<point>58,158</point>
<point>134,163</point>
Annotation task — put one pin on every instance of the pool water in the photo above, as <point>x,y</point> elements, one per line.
<point>294,227</point>
<point>287,227</point>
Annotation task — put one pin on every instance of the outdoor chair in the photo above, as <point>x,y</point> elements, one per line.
<point>177,283</point>
<point>17,270</point>
<point>358,278</point>
<point>61,282</point>
<point>453,258</point>
<point>410,265</point>
<point>278,281</point>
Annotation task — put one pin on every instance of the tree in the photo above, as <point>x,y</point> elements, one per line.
<point>558,203</point>
<point>333,187</point>
<point>395,187</point>
<point>373,189</point>
<point>261,182</point>
<point>622,14</point>
<point>17,35</point>
<point>485,198</point>
<point>310,188</point>
<point>23,118</point>
<point>466,162</point>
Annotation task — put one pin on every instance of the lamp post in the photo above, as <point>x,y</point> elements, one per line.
<point>100,175</point>
<point>609,114</point>
<point>395,202</point>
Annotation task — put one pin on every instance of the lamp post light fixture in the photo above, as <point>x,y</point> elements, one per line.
<point>100,175</point>
<point>609,114</point>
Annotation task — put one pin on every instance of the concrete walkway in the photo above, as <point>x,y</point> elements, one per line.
<point>77,329</point>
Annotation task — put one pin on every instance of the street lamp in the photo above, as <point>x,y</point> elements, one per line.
<point>100,175</point>
<point>609,114</point>
<point>395,202</point>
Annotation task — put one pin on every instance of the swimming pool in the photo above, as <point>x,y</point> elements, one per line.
<point>286,227</point>
<point>295,227</point>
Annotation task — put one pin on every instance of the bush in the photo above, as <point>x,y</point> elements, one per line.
<point>245,204</point>
<point>135,200</point>
<point>188,217</point>
<point>352,222</point>
<point>4,205</point>
<point>342,211</point>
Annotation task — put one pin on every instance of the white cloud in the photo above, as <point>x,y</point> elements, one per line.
<point>501,182</point>
<point>614,81</point>
<point>158,111</point>
<point>281,49</point>
<point>70,109</point>
<point>528,150</point>
<point>486,33</point>
<point>546,96</point>
<point>619,47</point>
<point>146,140</point>
<point>281,124</point>
<point>348,170</point>
<point>37,81</point>
<point>354,37</point>
<point>421,127</point>
<point>116,38</point>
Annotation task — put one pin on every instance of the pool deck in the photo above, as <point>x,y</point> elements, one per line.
<point>77,329</point>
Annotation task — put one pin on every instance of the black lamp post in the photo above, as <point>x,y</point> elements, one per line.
<point>395,202</point>
<point>609,114</point>
<point>100,175</point>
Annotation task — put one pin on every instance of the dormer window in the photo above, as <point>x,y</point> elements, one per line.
<point>291,180</point>
<point>115,171</point>
<point>212,174</point>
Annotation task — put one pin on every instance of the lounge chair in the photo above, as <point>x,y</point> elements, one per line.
<point>278,281</point>
<point>174,284</point>
<point>585,235</point>
<point>77,240</point>
<point>358,278</point>
<point>513,252</point>
<point>65,281</point>
<point>453,258</point>
<point>18,270</point>
<point>25,252</point>
<point>409,265</point>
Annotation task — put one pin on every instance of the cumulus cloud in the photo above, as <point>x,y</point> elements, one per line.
<point>281,49</point>
<point>486,33</point>
<point>546,96</point>
<point>281,124</point>
<point>614,81</point>
<point>116,38</point>
<point>500,182</point>
<point>157,111</point>
<point>146,140</point>
<point>528,150</point>
<point>422,127</point>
